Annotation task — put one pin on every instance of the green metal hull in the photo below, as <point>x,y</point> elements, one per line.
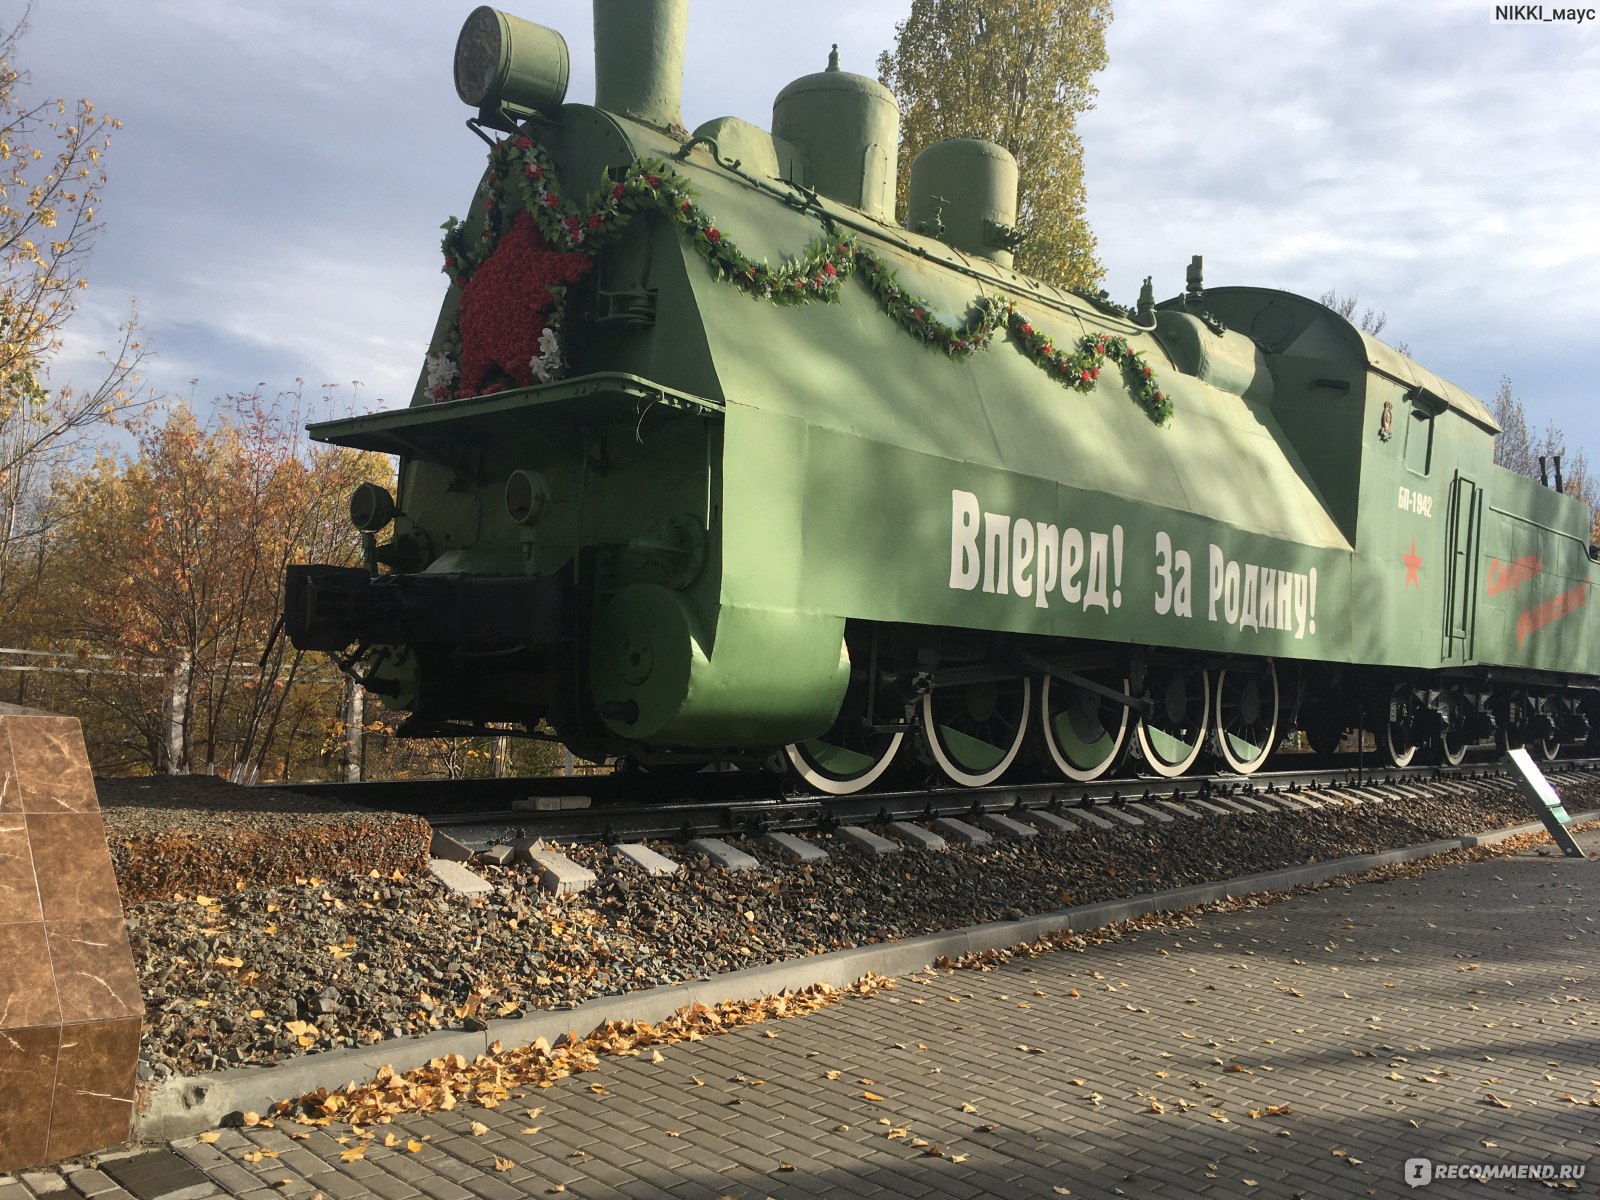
<point>727,486</point>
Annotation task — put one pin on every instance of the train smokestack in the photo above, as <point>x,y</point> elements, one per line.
<point>638,59</point>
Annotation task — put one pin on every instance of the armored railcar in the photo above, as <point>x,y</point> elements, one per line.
<point>713,459</point>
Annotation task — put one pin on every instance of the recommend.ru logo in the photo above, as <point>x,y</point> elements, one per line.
<point>1420,1172</point>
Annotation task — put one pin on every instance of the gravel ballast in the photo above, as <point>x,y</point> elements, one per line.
<point>258,972</point>
<point>197,833</point>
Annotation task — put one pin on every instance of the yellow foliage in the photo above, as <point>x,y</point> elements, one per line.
<point>1015,72</point>
<point>177,555</point>
<point>37,273</point>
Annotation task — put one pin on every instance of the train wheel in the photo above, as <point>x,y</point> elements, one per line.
<point>1086,734</point>
<point>1398,749</point>
<point>1395,738</point>
<point>841,765</point>
<point>1512,717</point>
<point>1546,744</point>
<point>1451,747</point>
<point>850,756</point>
<point>1170,738</point>
<point>1247,715</point>
<point>973,731</point>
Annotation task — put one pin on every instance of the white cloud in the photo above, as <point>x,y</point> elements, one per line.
<point>275,198</point>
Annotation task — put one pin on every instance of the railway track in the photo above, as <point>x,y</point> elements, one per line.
<point>635,807</point>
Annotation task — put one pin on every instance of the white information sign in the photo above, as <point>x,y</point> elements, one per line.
<point>1532,784</point>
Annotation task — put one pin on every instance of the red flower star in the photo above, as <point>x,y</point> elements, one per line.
<point>506,305</point>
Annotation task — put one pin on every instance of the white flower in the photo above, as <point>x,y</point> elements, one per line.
<point>441,373</point>
<point>546,364</point>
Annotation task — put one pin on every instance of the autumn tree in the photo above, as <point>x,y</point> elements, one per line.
<point>1371,321</point>
<point>1019,73</point>
<point>177,557</point>
<point>1513,447</point>
<point>1518,449</point>
<point>51,173</point>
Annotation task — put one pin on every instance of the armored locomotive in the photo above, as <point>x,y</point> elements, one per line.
<point>712,459</point>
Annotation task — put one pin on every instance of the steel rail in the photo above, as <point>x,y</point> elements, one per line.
<point>614,808</point>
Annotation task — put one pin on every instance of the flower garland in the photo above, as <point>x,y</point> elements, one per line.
<point>1081,368</point>
<point>1078,370</point>
<point>522,179</point>
<point>521,167</point>
<point>914,315</point>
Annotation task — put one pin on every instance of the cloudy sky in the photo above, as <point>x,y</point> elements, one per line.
<point>276,194</point>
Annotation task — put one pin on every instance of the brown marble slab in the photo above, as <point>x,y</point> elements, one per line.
<point>28,984</point>
<point>93,1104</point>
<point>73,865</point>
<point>95,977</point>
<point>10,785</point>
<point>70,1009</point>
<point>27,1090</point>
<point>19,894</point>
<point>51,765</point>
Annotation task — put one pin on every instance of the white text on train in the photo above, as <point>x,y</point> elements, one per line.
<point>1013,555</point>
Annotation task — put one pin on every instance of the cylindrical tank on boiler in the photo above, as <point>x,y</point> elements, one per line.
<point>964,192</point>
<point>849,127</point>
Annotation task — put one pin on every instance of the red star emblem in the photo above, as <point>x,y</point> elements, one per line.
<point>1413,562</point>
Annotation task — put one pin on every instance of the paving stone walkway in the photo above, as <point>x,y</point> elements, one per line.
<point>1302,1048</point>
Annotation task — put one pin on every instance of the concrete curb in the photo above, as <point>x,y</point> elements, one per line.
<point>184,1105</point>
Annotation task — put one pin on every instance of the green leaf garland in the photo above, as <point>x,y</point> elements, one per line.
<point>523,178</point>
<point>915,316</point>
<point>1081,368</point>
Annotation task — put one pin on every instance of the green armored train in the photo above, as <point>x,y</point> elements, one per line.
<point>712,459</point>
